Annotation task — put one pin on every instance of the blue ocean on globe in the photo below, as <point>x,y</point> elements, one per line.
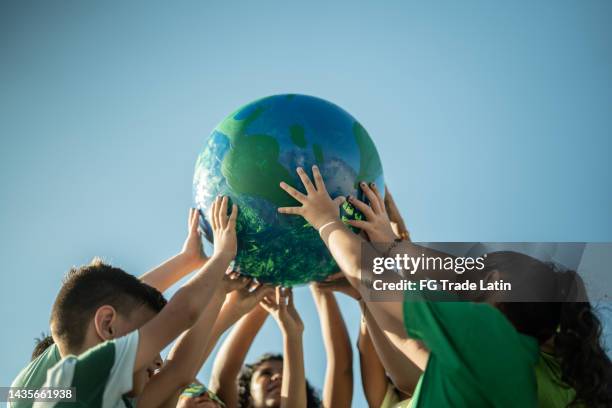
<point>261,144</point>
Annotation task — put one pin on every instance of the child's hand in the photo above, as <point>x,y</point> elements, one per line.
<point>193,250</point>
<point>224,227</point>
<point>377,224</point>
<point>317,208</point>
<point>232,282</point>
<point>283,311</point>
<point>243,300</point>
<point>338,283</point>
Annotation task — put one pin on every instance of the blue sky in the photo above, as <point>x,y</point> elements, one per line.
<point>492,119</point>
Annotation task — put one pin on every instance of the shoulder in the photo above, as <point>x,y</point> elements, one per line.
<point>35,372</point>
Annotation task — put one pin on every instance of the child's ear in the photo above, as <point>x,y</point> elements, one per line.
<point>104,321</point>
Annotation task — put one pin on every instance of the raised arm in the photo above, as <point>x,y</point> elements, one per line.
<point>338,388</point>
<point>190,258</point>
<point>191,349</point>
<point>321,211</point>
<point>373,375</point>
<point>403,364</point>
<point>231,355</point>
<point>377,353</point>
<point>293,388</point>
<point>186,306</point>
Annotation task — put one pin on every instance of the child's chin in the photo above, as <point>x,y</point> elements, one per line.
<point>273,401</point>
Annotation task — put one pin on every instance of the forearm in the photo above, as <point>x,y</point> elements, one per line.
<point>293,389</point>
<point>230,358</point>
<point>184,360</point>
<point>345,247</point>
<point>190,351</point>
<point>225,319</point>
<point>198,291</point>
<point>404,361</point>
<point>169,272</point>
<point>373,375</point>
<point>338,388</point>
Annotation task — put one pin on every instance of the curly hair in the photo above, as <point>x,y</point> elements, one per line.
<point>244,383</point>
<point>42,343</point>
<point>573,325</point>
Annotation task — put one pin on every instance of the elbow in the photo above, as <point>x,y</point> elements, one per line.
<point>191,314</point>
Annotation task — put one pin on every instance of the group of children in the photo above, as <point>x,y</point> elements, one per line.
<point>109,327</point>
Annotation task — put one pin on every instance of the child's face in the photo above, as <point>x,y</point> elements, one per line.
<point>135,321</point>
<point>266,384</point>
<point>142,377</point>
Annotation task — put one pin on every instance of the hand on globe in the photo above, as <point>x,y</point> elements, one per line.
<point>377,224</point>
<point>224,228</point>
<point>337,283</point>
<point>192,250</point>
<point>233,282</point>
<point>318,208</point>
<point>243,300</point>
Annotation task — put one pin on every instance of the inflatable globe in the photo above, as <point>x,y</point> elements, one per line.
<point>261,144</point>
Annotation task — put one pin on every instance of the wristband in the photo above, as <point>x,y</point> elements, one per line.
<point>327,225</point>
<point>392,246</point>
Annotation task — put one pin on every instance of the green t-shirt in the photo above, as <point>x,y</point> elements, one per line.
<point>477,358</point>
<point>552,393</point>
<point>100,376</point>
<point>33,376</point>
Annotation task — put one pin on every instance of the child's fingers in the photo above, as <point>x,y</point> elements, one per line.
<point>279,295</point>
<point>319,183</point>
<point>290,210</point>
<point>339,200</point>
<point>293,192</point>
<point>223,219</point>
<point>371,197</point>
<point>334,276</point>
<point>310,188</point>
<point>363,207</point>
<point>363,225</point>
<point>233,216</point>
<point>213,214</point>
<point>289,297</point>
<point>190,218</point>
<point>381,201</point>
<point>195,223</point>
<point>268,305</point>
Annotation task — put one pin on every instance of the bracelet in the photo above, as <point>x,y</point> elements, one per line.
<point>392,246</point>
<point>327,225</point>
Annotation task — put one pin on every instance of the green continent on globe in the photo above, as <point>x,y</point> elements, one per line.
<point>261,144</point>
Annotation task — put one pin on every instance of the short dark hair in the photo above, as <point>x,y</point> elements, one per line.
<point>42,343</point>
<point>88,287</point>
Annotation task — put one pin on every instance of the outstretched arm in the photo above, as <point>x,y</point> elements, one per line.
<point>322,213</point>
<point>183,362</point>
<point>193,347</point>
<point>403,364</point>
<point>373,375</point>
<point>190,258</point>
<point>338,388</point>
<point>186,306</point>
<point>231,355</point>
<point>293,388</point>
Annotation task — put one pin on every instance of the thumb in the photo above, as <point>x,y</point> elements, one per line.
<point>339,200</point>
